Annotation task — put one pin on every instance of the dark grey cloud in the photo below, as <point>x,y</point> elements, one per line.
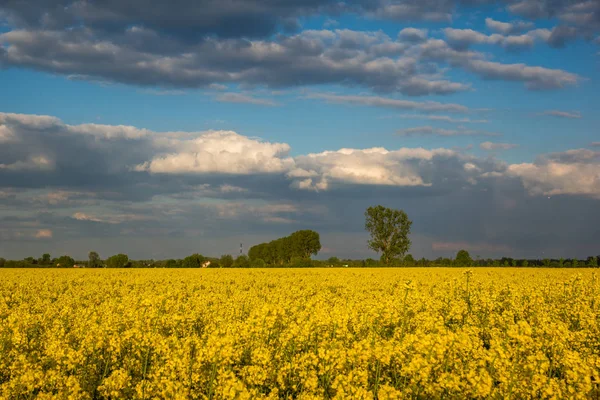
<point>561,35</point>
<point>74,188</point>
<point>208,42</point>
<point>584,15</point>
<point>533,77</point>
<point>368,59</point>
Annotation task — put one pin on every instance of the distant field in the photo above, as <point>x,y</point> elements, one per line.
<point>300,333</point>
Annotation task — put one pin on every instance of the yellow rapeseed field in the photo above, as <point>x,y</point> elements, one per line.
<point>300,333</point>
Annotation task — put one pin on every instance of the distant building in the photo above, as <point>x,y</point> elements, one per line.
<point>205,264</point>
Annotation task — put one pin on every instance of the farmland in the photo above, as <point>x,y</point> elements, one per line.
<point>300,333</point>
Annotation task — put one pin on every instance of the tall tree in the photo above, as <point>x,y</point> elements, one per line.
<point>46,259</point>
<point>463,259</point>
<point>226,261</point>
<point>389,231</point>
<point>94,260</point>
<point>241,261</point>
<point>305,243</point>
<point>118,261</point>
<point>65,262</point>
<point>193,261</point>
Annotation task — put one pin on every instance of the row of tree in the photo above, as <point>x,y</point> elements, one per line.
<point>462,259</point>
<point>389,230</point>
<point>295,248</point>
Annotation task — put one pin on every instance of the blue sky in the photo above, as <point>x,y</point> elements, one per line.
<point>488,109</point>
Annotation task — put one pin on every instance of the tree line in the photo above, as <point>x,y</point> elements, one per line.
<point>389,230</point>
<point>462,259</point>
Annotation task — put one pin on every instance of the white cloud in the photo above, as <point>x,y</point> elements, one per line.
<point>29,120</point>
<point>444,118</point>
<point>43,234</point>
<point>220,152</point>
<point>242,98</point>
<point>507,28</point>
<point>377,101</point>
<point>574,172</point>
<point>430,130</point>
<point>232,189</point>
<point>413,35</point>
<point>536,78</point>
<point>110,218</point>
<point>375,166</point>
<point>497,146</point>
<point>466,37</point>
<point>562,114</point>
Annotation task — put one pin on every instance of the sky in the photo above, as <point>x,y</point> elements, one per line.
<point>161,129</point>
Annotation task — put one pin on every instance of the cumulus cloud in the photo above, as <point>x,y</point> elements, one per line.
<point>376,166</point>
<point>430,130</point>
<point>410,64</point>
<point>533,77</point>
<point>508,28</point>
<point>583,15</point>
<point>369,59</point>
<point>562,114</point>
<point>557,37</point>
<point>463,38</point>
<point>536,78</point>
<point>413,35</point>
<point>574,172</point>
<point>490,146</point>
<point>94,192</point>
<point>220,152</point>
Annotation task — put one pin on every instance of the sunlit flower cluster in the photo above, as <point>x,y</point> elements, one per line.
<point>300,333</point>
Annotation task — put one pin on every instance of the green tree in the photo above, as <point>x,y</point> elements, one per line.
<point>65,262</point>
<point>334,261</point>
<point>258,263</point>
<point>118,261</point>
<point>561,262</point>
<point>389,231</point>
<point>463,259</point>
<point>94,260</point>
<point>546,262</point>
<point>525,263</point>
<point>193,261</point>
<point>46,259</point>
<point>369,262</point>
<point>2,262</point>
<point>171,263</point>
<point>409,260</point>
<point>305,243</point>
<point>592,262</point>
<point>226,261</point>
<point>241,261</point>
<point>300,262</point>
<point>575,263</point>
